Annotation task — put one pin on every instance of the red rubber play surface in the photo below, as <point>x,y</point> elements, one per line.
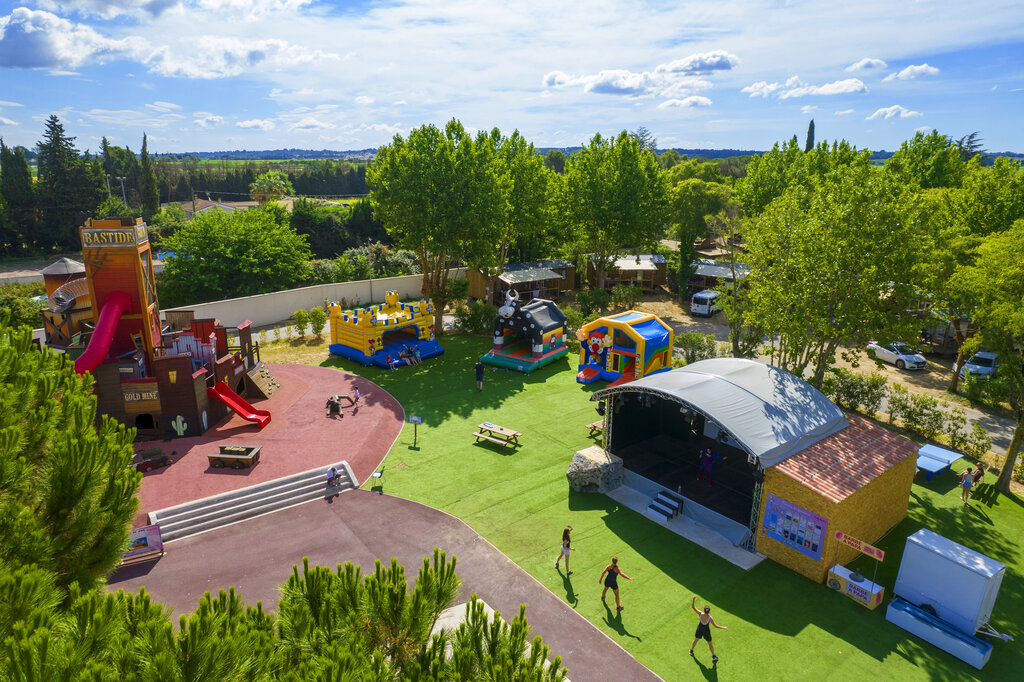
<point>299,437</point>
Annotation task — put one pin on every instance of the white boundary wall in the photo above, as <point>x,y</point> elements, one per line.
<point>266,309</point>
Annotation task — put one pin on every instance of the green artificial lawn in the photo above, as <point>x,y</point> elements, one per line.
<point>781,625</point>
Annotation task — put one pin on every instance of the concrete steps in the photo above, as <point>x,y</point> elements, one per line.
<point>665,506</point>
<point>198,516</point>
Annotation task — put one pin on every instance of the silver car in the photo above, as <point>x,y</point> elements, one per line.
<point>981,364</point>
<point>899,354</point>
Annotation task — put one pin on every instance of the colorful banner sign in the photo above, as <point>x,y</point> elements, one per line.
<point>864,547</point>
<point>794,526</point>
<point>144,541</point>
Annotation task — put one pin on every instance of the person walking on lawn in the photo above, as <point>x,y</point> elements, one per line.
<point>565,550</point>
<point>704,628</point>
<point>612,581</point>
<point>966,483</point>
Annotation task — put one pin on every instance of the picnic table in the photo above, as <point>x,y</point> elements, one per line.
<point>595,427</point>
<point>496,434</point>
<point>933,460</point>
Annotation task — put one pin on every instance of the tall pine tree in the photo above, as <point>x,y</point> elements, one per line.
<point>150,196</point>
<point>69,187</point>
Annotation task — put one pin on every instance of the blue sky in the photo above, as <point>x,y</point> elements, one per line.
<point>208,75</point>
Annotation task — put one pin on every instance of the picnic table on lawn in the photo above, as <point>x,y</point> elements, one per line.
<point>595,427</point>
<point>496,434</point>
<point>932,460</point>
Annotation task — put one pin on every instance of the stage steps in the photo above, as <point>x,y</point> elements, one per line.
<point>665,506</point>
<point>223,509</point>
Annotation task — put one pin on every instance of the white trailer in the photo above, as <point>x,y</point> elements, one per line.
<point>953,582</point>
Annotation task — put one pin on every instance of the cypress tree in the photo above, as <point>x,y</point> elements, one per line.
<point>69,186</point>
<point>809,145</point>
<point>150,196</point>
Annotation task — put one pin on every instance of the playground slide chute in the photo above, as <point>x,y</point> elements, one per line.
<point>238,404</point>
<point>103,335</point>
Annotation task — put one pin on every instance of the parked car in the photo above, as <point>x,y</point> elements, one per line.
<point>981,364</point>
<point>705,303</point>
<point>899,354</point>
<point>150,458</point>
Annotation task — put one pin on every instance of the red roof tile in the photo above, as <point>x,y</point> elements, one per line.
<point>841,464</point>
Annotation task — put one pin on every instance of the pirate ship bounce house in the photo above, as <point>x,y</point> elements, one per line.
<point>527,336</point>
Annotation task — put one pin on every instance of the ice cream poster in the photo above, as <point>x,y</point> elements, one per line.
<point>794,526</point>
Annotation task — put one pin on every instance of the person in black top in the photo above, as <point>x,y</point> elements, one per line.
<point>479,368</point>
<point>612,581</point>
<point>704,628</point>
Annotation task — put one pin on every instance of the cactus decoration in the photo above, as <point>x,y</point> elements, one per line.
<point>179,425</point>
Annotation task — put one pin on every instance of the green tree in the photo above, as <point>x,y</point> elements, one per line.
<point>150,196</point>
<point>438,194</point>
<point>669,159</point>
<point>317,321</point>
<point>691,201</point>
<point>555,160</point>
<point>988,201</point>
<point>931,160</point>
<point>69,187</point>
<point>834,264</point>
<point>646,139</point>
<point>809,144</point>
<point>323,226</point>
<point>614,197</point>
<point>270,186</point>
<point>66,485</point>
<point>16,191</point>
<point>524,183</point>
<point>997,278</point>
<point>225,255</point>
<point>970,146</point>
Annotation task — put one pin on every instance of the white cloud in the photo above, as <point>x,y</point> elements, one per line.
<point>867,64</point>
<point>205,119</point>
<point>557,79</point>
<point>912,72</point>
<point>794,87</point>
<point>130,117</point>
<point>895,111</point>
<point>761,88</point>
<point>843,87</point>
<point>9,104</point>
<point>221,57</point>
<point>399,103</point>
<point>163,106</point>
<point>258,123</point>
<point>844,112</point>
<point>252,9</point>
<point>687,103</point>
<point>7,121</point>
<point>923,129</point>
<point>706,62</point>
<point>363,100</point>
<point>809,108</point>
<point>108,9</point>
<point>309,123</point>
<point>34,39</point>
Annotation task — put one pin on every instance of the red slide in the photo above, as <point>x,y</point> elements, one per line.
<point>587,375</point>
<point>241,407</point>
<point>99,344</point>
<point>628,374</point>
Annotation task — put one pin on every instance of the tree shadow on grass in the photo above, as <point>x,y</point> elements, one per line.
<point>776,599</point>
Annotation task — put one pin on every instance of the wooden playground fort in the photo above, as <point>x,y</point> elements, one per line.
<point>369,335</point>
<point>165,381</point>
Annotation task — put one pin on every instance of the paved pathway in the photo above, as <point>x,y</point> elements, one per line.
<point>359,526</point>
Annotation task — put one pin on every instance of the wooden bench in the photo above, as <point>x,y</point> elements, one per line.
<point>596,427</point>
<point>500,441</point>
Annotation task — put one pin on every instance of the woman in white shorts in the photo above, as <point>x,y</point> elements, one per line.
<point>565,550</point>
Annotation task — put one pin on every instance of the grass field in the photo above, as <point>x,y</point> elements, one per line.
<point>781,624</point>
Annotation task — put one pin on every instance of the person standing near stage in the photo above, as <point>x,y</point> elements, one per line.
<point>705,461</point>
<point>479,369</point>
<point>612,581</point>
<point>966,483</point>
<point>565,550</point>
<point>704,628</point>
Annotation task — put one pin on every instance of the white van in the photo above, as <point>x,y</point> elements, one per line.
<point>705,303</point>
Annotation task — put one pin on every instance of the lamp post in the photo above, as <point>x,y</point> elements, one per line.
<point>123,196</point>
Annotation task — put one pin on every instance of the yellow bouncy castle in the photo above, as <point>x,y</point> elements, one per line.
<point>388,335</point>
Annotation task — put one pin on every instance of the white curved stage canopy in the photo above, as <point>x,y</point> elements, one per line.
<point>771,413</point>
